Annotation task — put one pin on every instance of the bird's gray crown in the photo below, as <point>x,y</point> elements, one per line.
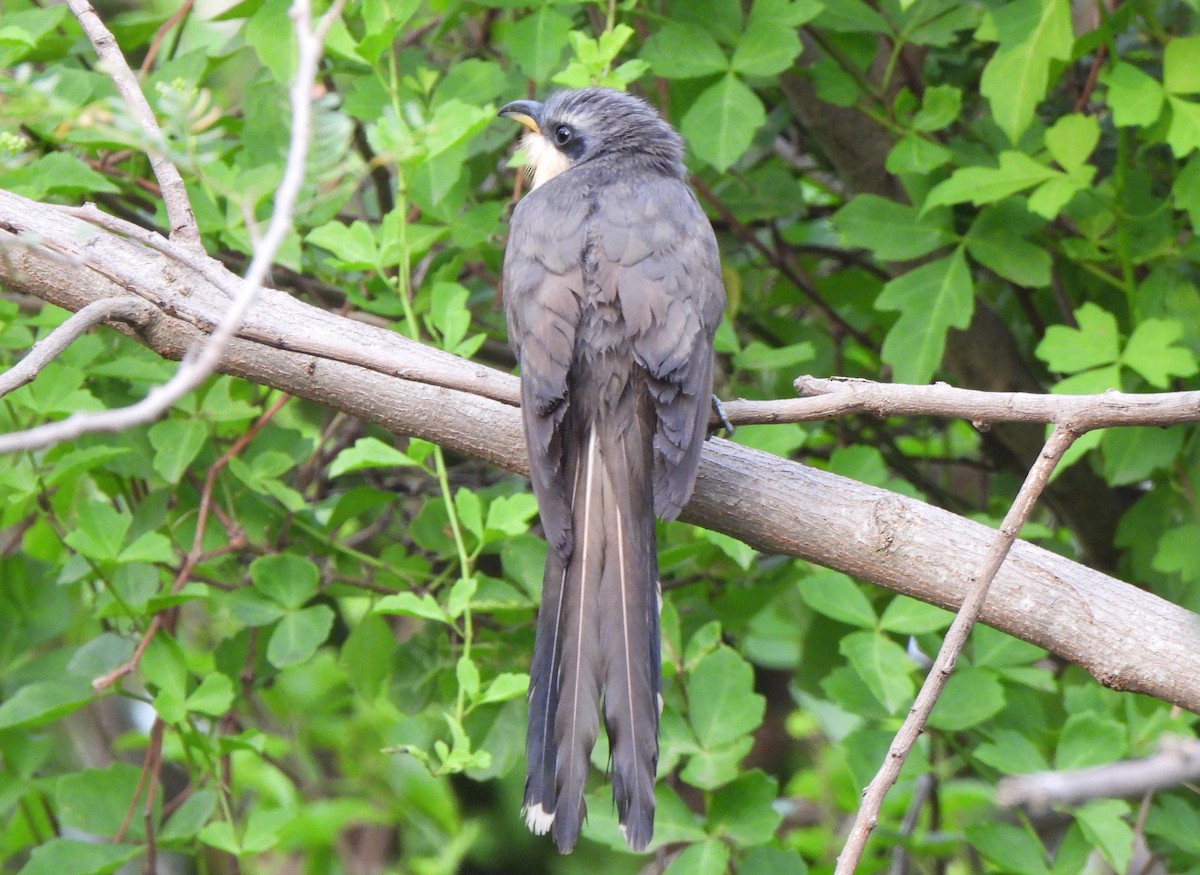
<point>601,123</point>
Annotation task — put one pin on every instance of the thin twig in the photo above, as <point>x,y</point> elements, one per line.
<point>151,763</point>
<point>51,346</point>
<point>160,35</point>
<point>826,398</point>
<point>198,365</point>
<point>175,199</point>
<point>1060,440</point>
<point>1176,763</point>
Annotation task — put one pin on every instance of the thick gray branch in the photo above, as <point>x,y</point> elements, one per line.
<point>1127,638</point>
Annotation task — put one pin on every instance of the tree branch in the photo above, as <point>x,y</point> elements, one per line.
<point>51,346</point>
<point>1127,638</point>
<point>174,194</point>
<point>198,364</point>
<point>826,398</point>
<point>1177,763</point>
<point>956,638</point>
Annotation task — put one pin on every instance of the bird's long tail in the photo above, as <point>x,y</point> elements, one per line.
<point>598,631</point>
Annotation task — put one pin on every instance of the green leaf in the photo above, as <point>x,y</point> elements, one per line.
<point>1104,824</point>
<point>1053,195</point>
<point>298,635</point>
<point>285,578</point>
<point>470,511</point>
<point>1072,139</point>
<point>510,515</point>
<point>768,860</point>
<point>1095,342</point>
<point>742,811</point>
<point>83,459</point>
<point>940,105</point>
<point>353,245</point>
<point>94,800</point>
<point>366,655</point>
<point>214,696</point>
<point>1009,847</point>
<point>505,686</point>
<point>708,857</point>
<point>1012,753</point>
<point>704,641</point>
<point>1181,65</point>
<point>673,820</point>
<point>984,185</point>
<point>74,857</point>
<point>683,51</point>
<point>151,547</point>
<point>972,695</point>
<point>449,313</point>
<point>1175,820</point>
<point>1134,97</point>
<point>409,604</point>
<point>42,702</point>
<point>270,33</point>
<point>992,648</point>
<point>1183,135</point>
<point>1033,33</point>
<point>722,704</point>
<point>716,766</point>
<point>250,609</point>
<point>883,666</point>
<point>722,122</point>
<point>891,230</point>
<point>99,531</point>
<point>996,240</point>
<point>467,674</point>
<point>757,356</point>
<point>460,596</point>
<point>189,817</point>
<point>1153,353</point>
<point>915,154</point>
<point>835,595</point>
<point>742,554</point>
<point>1133,454</point>
<point>176,444</point>
<point>765,48</point>
<point>932,299</point>
<point>368,452</point>
<point>1178,551</point>
<point>910,617</point>
<point>1089,739</point>
<point>1186,190</point>
<point>59,172</point>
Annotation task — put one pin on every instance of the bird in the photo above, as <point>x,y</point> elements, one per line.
<point>613,292</point>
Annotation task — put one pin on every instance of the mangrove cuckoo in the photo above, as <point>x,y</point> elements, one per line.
<point>612,287</point>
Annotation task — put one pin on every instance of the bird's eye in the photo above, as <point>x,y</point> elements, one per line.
<point>563,135</point>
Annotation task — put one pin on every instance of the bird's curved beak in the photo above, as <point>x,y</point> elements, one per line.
<point>527,112</point>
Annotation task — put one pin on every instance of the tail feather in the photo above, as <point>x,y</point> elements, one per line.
<point>598,630</point>
<point>630,640</point>
<point>541,752</point>
<point>577,719</point>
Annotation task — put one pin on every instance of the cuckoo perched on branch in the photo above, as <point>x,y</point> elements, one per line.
<point>612,287</point>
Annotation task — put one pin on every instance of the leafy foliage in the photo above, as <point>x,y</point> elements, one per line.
<point>347,616</point>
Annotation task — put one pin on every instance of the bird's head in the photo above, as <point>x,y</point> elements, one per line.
<point>595,124</point>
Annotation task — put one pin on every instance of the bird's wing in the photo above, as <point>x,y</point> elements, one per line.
<point>542,283</point>
<point>667,274</point>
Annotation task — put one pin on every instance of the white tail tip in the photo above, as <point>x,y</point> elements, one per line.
<point>538,819</point>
